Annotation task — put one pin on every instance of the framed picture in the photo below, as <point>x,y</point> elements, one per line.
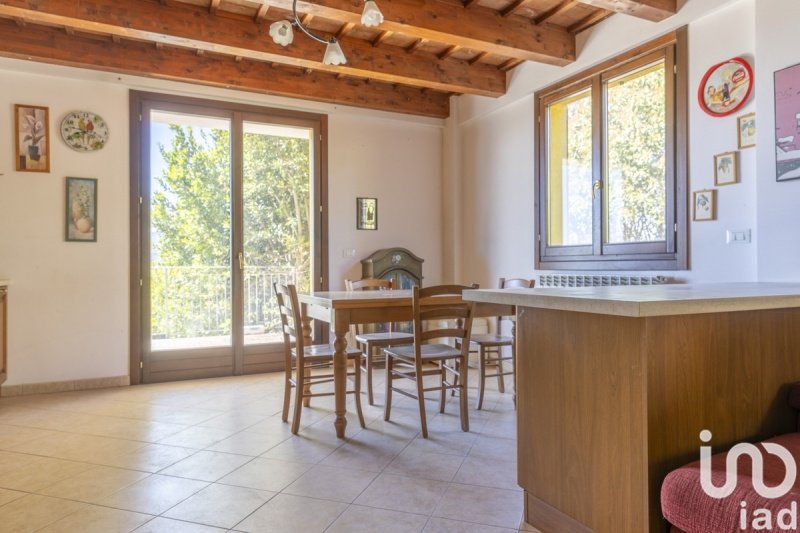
<point>32,138</point>
<point>726,169</point>
<point>367,213</point>
<point>725,87</point>
<point>746,126</point>
<point>787,123</point>
<point>705,205</point>
<point>81,211</point>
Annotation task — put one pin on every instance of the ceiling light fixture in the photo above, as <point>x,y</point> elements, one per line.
<point>283,34</point>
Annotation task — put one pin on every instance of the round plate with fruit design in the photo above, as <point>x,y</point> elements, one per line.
<point>84,131</point>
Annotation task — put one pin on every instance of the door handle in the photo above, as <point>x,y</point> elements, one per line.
<point>241,260</point>
<point>596,187</point>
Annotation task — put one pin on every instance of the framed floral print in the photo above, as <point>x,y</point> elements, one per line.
<point>32,138</point>
<point>81,210</point>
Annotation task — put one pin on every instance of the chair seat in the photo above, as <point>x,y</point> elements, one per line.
<point>319,352</point>
<point>387,339</point>
<point>430,352</point>
<point>492,340</point>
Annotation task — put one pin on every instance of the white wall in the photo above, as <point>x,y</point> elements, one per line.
<point>68,303</point>
<point>497,149</point>
<point>778,203</point>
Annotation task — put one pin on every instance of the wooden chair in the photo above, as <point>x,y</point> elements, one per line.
<point>369,342</point>
<point>490,346</point>
<point>424,358</point>
<point>301,359</point>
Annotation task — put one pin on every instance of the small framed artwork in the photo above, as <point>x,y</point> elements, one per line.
<point>367,213</point>
<point>81,212</point>
<point>705,205</point>
<point>726,170</point>
<point>746,124</point>
<point>32,136</point>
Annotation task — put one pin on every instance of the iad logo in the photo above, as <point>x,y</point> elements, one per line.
<point>762,519</point>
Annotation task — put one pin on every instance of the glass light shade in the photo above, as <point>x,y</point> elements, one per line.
<point>371,16</point>
<point>334,54</point>
<point>281,32</point>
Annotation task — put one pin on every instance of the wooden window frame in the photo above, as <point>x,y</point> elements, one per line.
<point>671,254</point>
<point>140,100</point>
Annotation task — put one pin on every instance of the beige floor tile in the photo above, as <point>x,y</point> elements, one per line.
<point>494,448</point>
<point>150,458</point>
<point>95,484</point>
<point>34,512</point>
<point>41,472</point>
<point>488,473</point>
<point>234,420</point>
<point>206,466</point>
<point>197,437</point>
<point>331,483</point>
<point>358,519</point>
<point>167,525</point>
<point>171,415</point>
<point>220,505</point>
<point>443,525</point>
<point>400,493</point>
<point>266,474</point>
<point>292,514</point>
<point>311,445</point>
<point>426,465</point>
<point>11,436</point>
<point>154,494</point>
<point>98,519</point>
<point>78,447</point>
<point>248,443</point>
<point>7,496</point>
<point>11,461</point>
<point>482,505</point>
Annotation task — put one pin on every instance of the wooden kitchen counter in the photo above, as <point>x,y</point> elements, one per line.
<point>616,383</point>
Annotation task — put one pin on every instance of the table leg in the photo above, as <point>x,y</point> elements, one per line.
<point>340,376</point>
<point>306,372</point>
<point>514,360</point>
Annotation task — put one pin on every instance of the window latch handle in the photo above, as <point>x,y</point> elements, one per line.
<point>241,260</point>
<point>596,187</point>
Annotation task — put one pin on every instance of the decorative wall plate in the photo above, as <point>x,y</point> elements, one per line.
<point>726,87</point>
<point>84,131</point>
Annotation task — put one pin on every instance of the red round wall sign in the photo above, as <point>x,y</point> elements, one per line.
<point>726,87</point>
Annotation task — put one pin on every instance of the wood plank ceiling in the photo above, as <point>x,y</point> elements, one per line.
<point>424,52</point>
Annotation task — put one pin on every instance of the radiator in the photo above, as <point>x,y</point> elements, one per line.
<point>578,280</point>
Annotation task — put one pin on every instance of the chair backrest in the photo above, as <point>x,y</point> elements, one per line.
<point>440,312</point>
<point>291,321</point>
<point>368,284</point>
<point>516,283</point>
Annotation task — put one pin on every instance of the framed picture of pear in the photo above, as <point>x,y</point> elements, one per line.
<point>81,211</point>
<point>32,136</point>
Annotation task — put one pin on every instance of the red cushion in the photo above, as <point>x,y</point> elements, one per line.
<point>686,506</point>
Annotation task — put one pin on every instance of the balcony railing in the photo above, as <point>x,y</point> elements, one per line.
<point>195,301</point>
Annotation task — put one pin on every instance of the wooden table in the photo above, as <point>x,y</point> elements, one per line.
<point>341,309</point>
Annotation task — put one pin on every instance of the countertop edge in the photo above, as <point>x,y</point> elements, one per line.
<point>635,309</point>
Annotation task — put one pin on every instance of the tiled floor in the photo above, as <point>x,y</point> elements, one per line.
<point>214,455</point>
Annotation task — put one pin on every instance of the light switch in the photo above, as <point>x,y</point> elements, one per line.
<point>348,252</point>
<point>738,236</point>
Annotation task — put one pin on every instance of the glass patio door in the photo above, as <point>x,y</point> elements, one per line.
<point>227,209</point>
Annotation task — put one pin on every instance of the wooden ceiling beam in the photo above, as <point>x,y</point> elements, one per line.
<point>381,38</point>
<point>51,45</point>
<point>346,28</point>
<point>564,6</point>
<point>589,21</point>
<point>477,28</point>
<point>261,14</point>
<point>469,3</point>
<point>213,7</point>
<point>513,7</point>
<point>194,28</point>
<point>655,10</point>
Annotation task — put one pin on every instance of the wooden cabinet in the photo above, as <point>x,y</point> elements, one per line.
<point>3,334</point>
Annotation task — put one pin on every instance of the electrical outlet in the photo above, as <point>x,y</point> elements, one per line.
<point>741,236</point>
<point>348,252</point>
